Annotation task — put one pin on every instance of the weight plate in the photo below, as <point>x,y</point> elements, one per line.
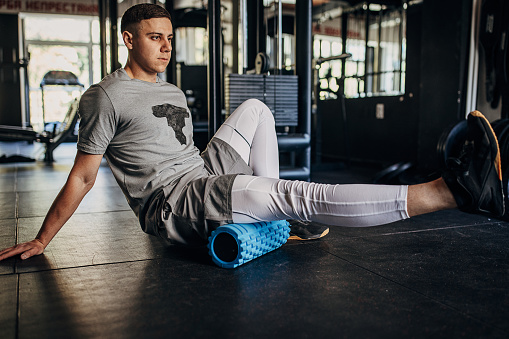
<point>451,141</point>
<point>262,62</point>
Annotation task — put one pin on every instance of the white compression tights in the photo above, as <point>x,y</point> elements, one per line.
<point>264,197</point>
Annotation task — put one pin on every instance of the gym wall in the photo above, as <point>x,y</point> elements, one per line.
<point>437,54</point>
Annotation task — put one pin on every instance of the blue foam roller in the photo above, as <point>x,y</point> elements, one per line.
<point>235,244</point>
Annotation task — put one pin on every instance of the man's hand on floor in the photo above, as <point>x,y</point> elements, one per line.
<point>26,249</point>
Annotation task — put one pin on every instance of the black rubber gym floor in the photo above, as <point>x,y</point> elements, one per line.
<point>443,275</point>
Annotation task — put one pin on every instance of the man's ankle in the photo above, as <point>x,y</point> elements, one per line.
<point>429,197</point>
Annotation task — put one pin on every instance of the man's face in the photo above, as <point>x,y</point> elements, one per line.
<point>151,45</point>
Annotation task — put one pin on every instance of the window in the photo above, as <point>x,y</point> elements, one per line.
<point>329,72</point>
<point>375,38</point>
<point>376,41</point>
<point>193,45</point>
<point>57,42</point>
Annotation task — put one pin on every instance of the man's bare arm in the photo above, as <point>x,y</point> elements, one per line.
<point>80,181</point>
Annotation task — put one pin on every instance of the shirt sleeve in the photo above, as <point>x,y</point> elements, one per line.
<point>97,121</point>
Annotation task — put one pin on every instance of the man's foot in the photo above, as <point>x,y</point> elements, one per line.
<point>307,230</point>
<point>475,178</point>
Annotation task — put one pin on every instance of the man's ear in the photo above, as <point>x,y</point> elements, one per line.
<point>128,39</point>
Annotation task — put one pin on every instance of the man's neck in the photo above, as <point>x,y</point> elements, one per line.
<point>134,74</point>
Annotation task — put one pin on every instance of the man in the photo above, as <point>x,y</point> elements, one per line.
<point>143,127</point>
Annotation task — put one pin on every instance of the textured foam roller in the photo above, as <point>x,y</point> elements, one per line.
<point>235,244</point>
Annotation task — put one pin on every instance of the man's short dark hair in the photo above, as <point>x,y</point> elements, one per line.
<point>133,16</point>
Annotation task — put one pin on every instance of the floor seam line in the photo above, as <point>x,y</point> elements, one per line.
<point>417,292</point>
<point>78,213</point>
<point>90,265</point>
<point>427,230</point>
<point>18,311</point>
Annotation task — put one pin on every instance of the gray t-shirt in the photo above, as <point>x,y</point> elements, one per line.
<point>145,132</point>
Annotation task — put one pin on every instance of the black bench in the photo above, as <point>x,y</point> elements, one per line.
<point>51,139</point>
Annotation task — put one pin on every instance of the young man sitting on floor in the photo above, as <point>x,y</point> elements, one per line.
<point>143,128</point>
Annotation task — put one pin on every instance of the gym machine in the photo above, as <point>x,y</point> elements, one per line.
<point>59,131</point>
<point>288,96</point>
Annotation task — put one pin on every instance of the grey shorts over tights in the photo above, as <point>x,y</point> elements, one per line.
<point>189,214</point>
